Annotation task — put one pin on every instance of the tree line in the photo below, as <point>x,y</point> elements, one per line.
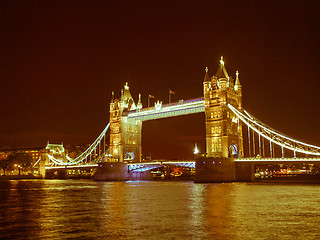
<point>16,161</point>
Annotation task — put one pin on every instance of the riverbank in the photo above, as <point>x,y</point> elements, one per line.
<point>18,177</point>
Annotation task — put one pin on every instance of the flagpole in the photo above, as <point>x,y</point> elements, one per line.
<point>149,96</point>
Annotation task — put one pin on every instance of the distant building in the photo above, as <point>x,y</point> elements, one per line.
<point>34,152</point>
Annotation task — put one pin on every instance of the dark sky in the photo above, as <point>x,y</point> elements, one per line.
<point>60,60</point>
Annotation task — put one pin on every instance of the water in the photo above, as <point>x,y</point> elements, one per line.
<point>79,209</point>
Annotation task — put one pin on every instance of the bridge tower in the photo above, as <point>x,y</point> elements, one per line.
<point>223,129</point>
<point>125,134</point>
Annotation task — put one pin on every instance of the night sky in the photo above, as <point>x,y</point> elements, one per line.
<point>60,60</point>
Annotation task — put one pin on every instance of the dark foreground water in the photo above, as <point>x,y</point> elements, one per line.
<point>76,209</point>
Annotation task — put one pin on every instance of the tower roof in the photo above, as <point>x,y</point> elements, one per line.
<point>222,72</point>
<point>206,76</point>
<point>127,98</point>
<point>237,78</point>
<point>139,104</point>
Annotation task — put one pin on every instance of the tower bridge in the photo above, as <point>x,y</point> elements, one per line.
<point>224,118</point>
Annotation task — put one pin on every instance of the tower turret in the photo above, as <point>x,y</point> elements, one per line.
<point>139,104</point>
<point>222,138</point>
<point>206,86</point>
<point>125,134</point>
<point>238,89</point>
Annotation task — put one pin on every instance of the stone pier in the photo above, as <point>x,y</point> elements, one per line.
<point>211,170</point>
<point>112,171</point>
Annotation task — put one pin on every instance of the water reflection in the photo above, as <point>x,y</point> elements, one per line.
<point>70,209</point>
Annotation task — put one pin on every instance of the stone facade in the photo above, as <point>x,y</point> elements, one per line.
<point>125,134</point>
<point>223,131</point>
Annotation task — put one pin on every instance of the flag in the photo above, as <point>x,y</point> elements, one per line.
<point>151,96</point>
<point>171,92</point>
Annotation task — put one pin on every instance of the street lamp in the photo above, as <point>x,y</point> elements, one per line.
<point>196,150</point>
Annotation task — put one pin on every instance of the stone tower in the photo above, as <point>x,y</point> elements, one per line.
<point>125,134</point>
<point>223,130</point>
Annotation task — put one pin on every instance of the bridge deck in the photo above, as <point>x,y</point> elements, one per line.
<point>132,166</point>
<point>169,110</point>
<point>277,160</point>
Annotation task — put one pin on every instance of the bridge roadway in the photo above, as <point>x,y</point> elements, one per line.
<point>168,110</point>
<point>145,166</point>
<point>132,167</point>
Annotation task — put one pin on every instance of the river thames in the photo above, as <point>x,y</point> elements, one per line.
<point>84,209</point>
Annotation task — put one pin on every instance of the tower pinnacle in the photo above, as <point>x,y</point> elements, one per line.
<point>206,76</point>
<point>126,87</point>
<point>139,105</point>
<point>237,78</point>
<point>112,96</point>
<point>221,61</point>
<point>237,84</point>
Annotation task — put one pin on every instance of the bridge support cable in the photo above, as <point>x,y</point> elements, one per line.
<point>86,154</point>
<point>249,141</point>
<point>263,151</point>
<point>104,143</point>
<point>253,144</point>
<point>274,136</point>
<point>260,145</point>
<point>239,139</point>
<point>36,162</point>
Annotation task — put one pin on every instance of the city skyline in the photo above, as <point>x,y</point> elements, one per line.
<point>61,61</point>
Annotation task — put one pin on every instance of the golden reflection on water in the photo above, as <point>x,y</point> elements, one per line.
<point>57,209</point>
<point>114,209</point>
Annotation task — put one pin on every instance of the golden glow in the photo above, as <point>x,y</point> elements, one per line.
<point>221,61</point>
<point>196,150</point>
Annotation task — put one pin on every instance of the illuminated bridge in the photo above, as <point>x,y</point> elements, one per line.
<point>169,110</point>
<point>228,125</point>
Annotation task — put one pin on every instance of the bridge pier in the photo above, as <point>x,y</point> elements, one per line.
<point>245,172</point>
<point>56,174</point>
<point>112,171</point>
<point>210,170</point>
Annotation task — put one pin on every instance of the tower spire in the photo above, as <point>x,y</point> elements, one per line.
<point>221,62</point>
<point>222,72</point>
<point>237,78</point>
<point>139,104</point>
<point>112,96</point>
<point>206,76</point>
<point>237,84</point>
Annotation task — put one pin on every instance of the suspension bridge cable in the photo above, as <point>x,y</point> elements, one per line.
<point>274,136</point>
<point>85,154</point>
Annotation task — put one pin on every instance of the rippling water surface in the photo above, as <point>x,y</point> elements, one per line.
<point>76,209</point>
